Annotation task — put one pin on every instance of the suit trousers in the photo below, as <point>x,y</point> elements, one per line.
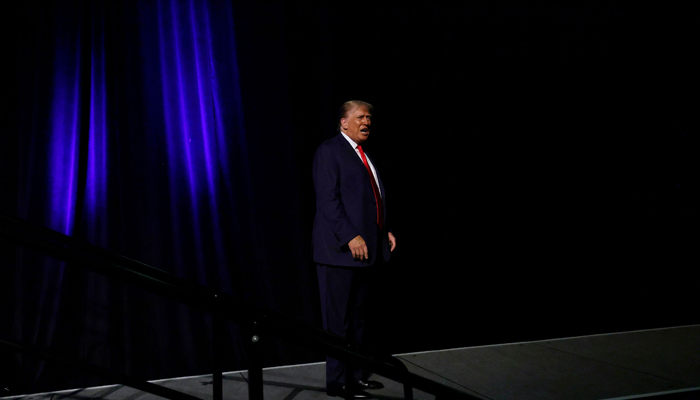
<point>344,296</point>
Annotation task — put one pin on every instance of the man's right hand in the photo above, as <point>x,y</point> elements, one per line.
<point>358,247</point>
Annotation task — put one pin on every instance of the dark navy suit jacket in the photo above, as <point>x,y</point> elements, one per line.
<point>345,206</point>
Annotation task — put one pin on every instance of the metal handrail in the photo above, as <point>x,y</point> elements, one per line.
<point>98,370</point>
<point>124,269</point>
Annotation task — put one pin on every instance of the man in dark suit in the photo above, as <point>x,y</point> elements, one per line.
<point>351,237</point>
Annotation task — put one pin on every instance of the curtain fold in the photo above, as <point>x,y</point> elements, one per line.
<point>137,145</point>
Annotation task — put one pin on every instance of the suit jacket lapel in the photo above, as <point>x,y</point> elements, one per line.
<point>350,150</point>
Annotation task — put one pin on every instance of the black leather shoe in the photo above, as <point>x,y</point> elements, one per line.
<point>357,394</point>
<point>367,385</point>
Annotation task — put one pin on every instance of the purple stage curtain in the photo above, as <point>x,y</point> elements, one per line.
<point>131,138</point>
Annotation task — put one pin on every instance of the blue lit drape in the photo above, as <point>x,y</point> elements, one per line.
<point>202,129</point>
<point>137,145</point>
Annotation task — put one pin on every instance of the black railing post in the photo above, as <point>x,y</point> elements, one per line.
<point>405,376</point>
<point>216,338</point>
<point>255,379</point>
<point>349,379</point>
<point>407,388</point>
<point>407,391</point>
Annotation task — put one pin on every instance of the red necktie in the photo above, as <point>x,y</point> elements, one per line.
<point>375,189</point>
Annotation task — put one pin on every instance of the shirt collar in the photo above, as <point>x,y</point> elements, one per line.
<point>352,142</point>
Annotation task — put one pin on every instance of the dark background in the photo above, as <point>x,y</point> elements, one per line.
<point>537,155</point>
<point>537,159</point>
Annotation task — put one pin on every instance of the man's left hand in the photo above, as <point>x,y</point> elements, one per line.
<point>392,241</point>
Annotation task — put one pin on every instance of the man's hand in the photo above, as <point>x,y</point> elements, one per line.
<point>358,248</point>
<point>392,241</point>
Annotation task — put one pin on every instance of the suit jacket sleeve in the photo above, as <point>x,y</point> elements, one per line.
<point>329,202</point>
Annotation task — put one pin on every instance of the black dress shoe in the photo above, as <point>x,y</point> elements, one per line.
<point>356,394</point>
<point>367,385</point>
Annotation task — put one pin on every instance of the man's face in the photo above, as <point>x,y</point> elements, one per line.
<point>356,124</point>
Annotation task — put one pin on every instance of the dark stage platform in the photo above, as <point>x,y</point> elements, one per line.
<point>650,364</point>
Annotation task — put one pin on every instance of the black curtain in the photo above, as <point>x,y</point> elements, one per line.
<point>539,156</point>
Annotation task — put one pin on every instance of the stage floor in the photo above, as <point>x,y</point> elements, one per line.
<point>651,364</point>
